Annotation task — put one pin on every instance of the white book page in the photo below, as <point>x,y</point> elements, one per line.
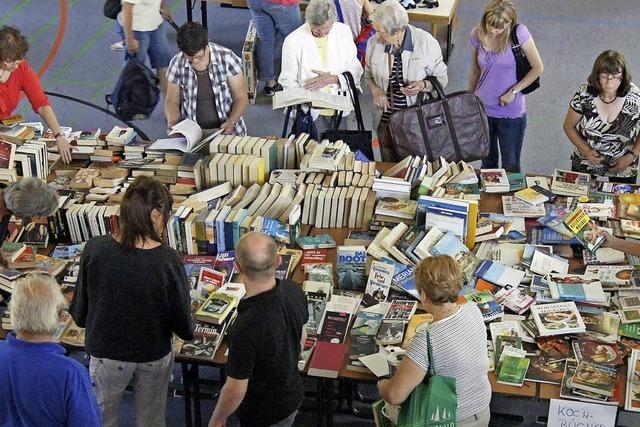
<point>190,130</point>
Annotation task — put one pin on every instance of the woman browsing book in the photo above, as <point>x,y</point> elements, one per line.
<point>458,340</point>
<point>16,76</point>
<point>132,294</point>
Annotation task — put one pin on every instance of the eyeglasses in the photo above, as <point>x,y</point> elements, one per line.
<point>9,64</point>
<point>198,56</point>
<point>610,77</point>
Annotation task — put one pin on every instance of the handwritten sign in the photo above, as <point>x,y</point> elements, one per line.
<point>567,413</point>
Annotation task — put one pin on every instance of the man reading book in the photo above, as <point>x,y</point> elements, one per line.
<point>263,384</point>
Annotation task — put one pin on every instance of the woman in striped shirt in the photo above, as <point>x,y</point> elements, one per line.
<point>458,341</point>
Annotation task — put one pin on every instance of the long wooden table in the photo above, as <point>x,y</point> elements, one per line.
<point>444,14</point>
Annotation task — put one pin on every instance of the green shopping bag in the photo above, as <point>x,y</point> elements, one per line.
<point>433,403</point>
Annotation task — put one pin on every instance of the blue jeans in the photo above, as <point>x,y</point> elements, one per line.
<point>269,18</point>
<point>154,45</point>
<point>509,135</point>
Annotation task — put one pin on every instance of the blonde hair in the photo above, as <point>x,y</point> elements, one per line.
<point>440,278</point>
<point>36,303</point>
<point>498,14</point>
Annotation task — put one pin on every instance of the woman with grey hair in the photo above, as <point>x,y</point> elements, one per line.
<point>398,60</point>
<point>316,54</point>
<point>27,198</point>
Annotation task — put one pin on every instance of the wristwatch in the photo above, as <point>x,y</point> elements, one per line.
<point>635,156</point>
<point>57,134</point>
<point>514,91</point>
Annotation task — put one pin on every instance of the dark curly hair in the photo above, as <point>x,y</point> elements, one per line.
<point>13,45</point>
<point>192,38</point>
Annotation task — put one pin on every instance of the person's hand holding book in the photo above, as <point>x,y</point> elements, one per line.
<point>324,79</point>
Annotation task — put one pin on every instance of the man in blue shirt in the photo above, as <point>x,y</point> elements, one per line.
<point>39,385</point>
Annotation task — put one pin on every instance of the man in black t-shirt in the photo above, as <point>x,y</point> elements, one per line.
<point>263,382</point>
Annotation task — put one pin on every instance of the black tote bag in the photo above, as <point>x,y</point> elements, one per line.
<point>522,63</point>
<point>356,139</point>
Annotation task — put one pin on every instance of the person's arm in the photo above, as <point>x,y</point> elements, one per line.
<point>172,104</point>
<point>180,303</point>
<point>49,117</point>
<point>627,246</point>
<point>290,63</point>
<point>569,125</point>
<point>80,303</point>
<point>230,398</point>
<point>165,11</point>
<point>366,8</point>
<point>240,102</point>
<point>474,72</point>
<point>127,25</point>
<point>380,100</point>
<point>399,387</point>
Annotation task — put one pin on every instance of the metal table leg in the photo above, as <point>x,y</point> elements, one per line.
<point>196,395</point>
<point>189,10</point>
<point>186,394</point>
<point>203,10</point>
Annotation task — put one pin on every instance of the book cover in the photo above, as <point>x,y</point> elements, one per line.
<point>314,256</point>
<point>366,323</point>
<point>600,353</point>
<point>352,261</point>
<point>378,283</point>
<point>595,378</point>
<point>531,196</point>
<point>362,345</point>
<point>283,269</point>
<point>193,264</point>
<point>67,252</point>
<point>319,272</point>
<point>316,242</point>
<point>487,304</point>
<point>557,318</point>
<point>401,310</point>
<point>316,304</point>
<point>209,281</point>
<point>391,333</point>
<point>207,339</point>
<point>568,183</point>
<point>327,360</point>
<point>216,308</point>
<point>406,280</point>
<point>305,354</point>
<point>513,371</point>
<point>632,397</point>
<point>579,223</point>
<point>334,327</point>
<point>555,348</point>
<point>543,371</point>
<point>390,206</point>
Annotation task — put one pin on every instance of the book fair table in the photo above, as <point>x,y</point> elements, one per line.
<point>443,15</point>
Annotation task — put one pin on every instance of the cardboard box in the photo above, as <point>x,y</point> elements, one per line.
<point>249,64</point>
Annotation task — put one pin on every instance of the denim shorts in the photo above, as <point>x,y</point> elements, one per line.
<point>154,45</point>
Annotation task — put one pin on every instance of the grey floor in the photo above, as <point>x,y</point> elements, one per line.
<point>568,33</point>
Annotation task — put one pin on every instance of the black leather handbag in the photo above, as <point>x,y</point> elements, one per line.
<point>356,139</point>
<point>522,63</point>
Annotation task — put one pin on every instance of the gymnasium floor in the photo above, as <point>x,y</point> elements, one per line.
<point>70,51</point>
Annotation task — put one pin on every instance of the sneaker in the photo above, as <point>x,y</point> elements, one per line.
<point>117,46</point>
<point>270,91</point>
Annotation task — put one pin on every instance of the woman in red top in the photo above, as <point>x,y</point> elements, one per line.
<point>15,76</point>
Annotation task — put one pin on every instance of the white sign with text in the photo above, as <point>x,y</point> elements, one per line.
<point>568,413</point>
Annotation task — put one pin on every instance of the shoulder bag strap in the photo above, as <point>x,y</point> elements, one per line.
<point>515,43</point>
<point>339,11</point>
<point>355,99</point>
<point>432,367</point>
<point>447,113</point>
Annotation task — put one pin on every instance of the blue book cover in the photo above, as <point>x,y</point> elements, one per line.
<point>406,280</point>
<point>242,214</point>
<point>359,155</point>
<point>352,267</point>
<point>450,244</point>
<point>275,229</point>
<point>551,237</point>
<point>219,223</point>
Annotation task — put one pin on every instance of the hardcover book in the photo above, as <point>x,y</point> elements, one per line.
<point>216,308</point>
<point>352,262</point>
<point>568,183</point>
<point>543,371</point>
<point>206,340</point>
<point>595,378</point>
<point>557,318</point>
<point>601,353</point>
<point>513,371</point>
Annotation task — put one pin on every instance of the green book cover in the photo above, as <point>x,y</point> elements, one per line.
<point>513,371</point>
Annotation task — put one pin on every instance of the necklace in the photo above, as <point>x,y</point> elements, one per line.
<point>607,102</point>
<point>445,314</point>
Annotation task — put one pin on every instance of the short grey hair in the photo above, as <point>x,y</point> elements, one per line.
<point>319,12</point>
<point>36,303</point>
<point>31,197</point>
<point>391,16</point>
<point>256,255</point>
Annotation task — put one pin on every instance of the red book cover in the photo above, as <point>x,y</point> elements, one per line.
<point>327,359</point>
<point>314,256</point>
<point>210,280</point>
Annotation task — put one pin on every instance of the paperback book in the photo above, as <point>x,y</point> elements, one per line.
<point>557,318</point>
<point>352,262</point>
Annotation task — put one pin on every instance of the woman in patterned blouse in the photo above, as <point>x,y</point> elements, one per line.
<point>602,121</point>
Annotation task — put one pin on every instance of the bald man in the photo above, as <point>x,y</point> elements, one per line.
<point>263,382</point>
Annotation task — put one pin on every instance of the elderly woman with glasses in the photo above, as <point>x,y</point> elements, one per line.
<point>398,60</point>
<point>316,54</point>
<point>602,121</point>
<point>17,76</point>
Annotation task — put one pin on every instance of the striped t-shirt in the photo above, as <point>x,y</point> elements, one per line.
<point>459,345</point>
<point>397,99</point>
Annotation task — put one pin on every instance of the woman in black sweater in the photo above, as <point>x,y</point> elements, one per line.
<point>132,293</point>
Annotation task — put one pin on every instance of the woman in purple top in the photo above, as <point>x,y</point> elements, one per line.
<point>493,79</point>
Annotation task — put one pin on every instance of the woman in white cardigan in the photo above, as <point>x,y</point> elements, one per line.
<point>316,54</point>
<point>398,59</point>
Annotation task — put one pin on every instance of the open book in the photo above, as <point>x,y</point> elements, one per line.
<point>317,99</point>
<point>191,140</point>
